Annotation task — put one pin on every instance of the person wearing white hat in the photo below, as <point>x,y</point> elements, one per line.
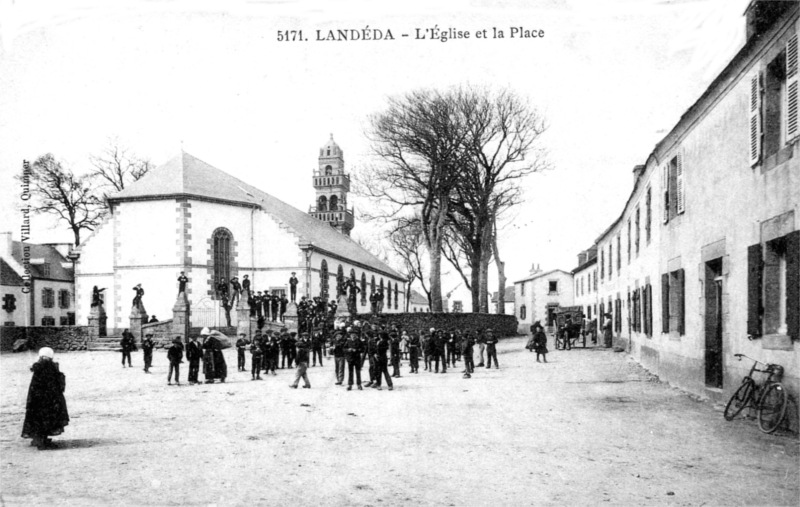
<point>46,410</point>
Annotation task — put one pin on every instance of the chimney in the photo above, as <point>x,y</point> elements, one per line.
<point>5,245</point>
<point>582,258</point>
<point>760,15</point>
<point>637,172</point>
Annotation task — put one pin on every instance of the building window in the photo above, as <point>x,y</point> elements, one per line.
<point>63,321</point>
<point>648,218</point>
<point>323,280</point>
<point>610,258</point>
<point>619,253</point>
<point>328,169</point>
<point>636,232</point>
<point>673,187</point>
<point>334,203</point>
<point>523,312</point>
<point>629,240</point>
<point>458,307</point>
<point>64,297</point>
<point>395,296</point>
<point>45,268</point>
<point>774,287</point>
<point>522,289</point>
<point>222,249</point>
<point>322,203</point>
<point>339,281</point>
<point>48,299</point>
<point>602,263</point>
<point>9,302</point>
<point>553,287</point>
<point>363,289</point>
<point>48,321</point>
<point>673,307</point>
<point>372,285</point>
<point>779,108</point>
<point>389,296</point>
<point>595,281</point>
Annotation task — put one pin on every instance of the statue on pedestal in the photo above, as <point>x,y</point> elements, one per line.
<point>137,299</point>
<point>96,299</point>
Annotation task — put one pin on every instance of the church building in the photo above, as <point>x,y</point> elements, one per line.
<point>189,216</point>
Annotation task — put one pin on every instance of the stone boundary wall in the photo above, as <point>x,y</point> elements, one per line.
<point>503,325</point>
<point>57,338</point>
<point>162,333</point>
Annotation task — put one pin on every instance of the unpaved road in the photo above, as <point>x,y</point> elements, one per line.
<point>588,428</point>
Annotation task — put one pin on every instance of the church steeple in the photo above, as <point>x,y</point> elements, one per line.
<point>332,185</point>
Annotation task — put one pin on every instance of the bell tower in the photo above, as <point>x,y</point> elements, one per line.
<point>332,185</point>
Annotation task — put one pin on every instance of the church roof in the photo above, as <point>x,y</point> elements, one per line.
<point>188,176</point>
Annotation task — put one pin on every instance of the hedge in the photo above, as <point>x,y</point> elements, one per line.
<point>503,325</point>
<point>57,338</point>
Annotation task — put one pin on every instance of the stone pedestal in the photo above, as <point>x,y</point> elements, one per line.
<point>290,317</point>
<point>342,311</point>
<point>97,322</point>
<point>244,323</point>
<point>180,318</point>
<point>138,318</point>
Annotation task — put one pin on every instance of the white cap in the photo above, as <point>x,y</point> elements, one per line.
<point>205,331</point>
<point>46,352</point>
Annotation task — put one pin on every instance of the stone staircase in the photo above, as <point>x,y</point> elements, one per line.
<point>105,344</point>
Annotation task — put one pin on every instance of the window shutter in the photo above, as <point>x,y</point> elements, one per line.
<point>649,292</point>
<point>755,119</point>
<point>681,302</point>
<point>681,197</point>
<point>665,191</point>
<point>665,303</point>
<point>792,92</point>
<point>793,284</point>
<point>754,272</point>
<point>645,311</point>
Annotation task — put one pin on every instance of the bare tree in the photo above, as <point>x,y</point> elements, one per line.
<point>501,271</point>
<point>419,140</point>
<point>501,149</point>
<point>406,240</point>
<point>116,166</point>
<point>56,190</point>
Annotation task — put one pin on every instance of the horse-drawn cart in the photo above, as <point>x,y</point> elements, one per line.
<point>569,327</point>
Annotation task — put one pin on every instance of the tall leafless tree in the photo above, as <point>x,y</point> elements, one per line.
<point>419,140</point>
<point>502,148</point>
<point>56,190</point>
<point>116,166</point>
<point>406,240</point>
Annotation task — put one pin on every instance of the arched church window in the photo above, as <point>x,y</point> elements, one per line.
<point>322,203</point>
<point>389,296</point>
<point>372,285</point>
<point>395,295</point>
<point>334,203</point>
<point>363,289</point>
<point>222,248</point>
<point>523,312</point>
<point>339,281</point>
<point>329,152</point>
<point>323,280</point>
<point>381,290</point>
<point>328,170</point>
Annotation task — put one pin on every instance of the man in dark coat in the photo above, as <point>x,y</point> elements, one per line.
<point>413,352</point>
<point>241,347</point>
<point>303,346</point>
<point>293,287</point>
<point>382,362</point>
<point>222,288</point>
<point>275,304</point>
<point>147,349</point>
<point>46,409</point>
<point>284,305</point>
<point>467,345</point>
<point>258,301</point>
<point>128,345</point>
<point>491,349</point>
<point>237,290</point>
<point>182,281</point>
<point>175,357</point>
<point>352,352</point>
<point>395,353</point>
<point>194,352</point>
<point>316,348</point>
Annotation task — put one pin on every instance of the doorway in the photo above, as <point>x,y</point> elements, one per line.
<point>713,323</point>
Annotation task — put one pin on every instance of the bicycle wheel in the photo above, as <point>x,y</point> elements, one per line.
<point>772,407</point>
<point>739,400</point>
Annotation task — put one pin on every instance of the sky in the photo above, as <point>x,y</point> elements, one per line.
<point>612,77</point>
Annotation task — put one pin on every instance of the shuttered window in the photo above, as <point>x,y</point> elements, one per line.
<point>754,310</point>
<point>665,303</point>
<point>679,183</point>
<point>792,91</point>
<point>754,123</point>
<point>665,191</point>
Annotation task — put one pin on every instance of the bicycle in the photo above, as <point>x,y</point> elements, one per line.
<point>770,398</point>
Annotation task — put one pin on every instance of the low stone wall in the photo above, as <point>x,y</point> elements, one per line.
<point>161,331</point>
<point>503,325</point>
<point>57,338</point>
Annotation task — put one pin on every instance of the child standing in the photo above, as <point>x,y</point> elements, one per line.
<point>540,343</point>
<point>175,356</point>
<point>255,366</point>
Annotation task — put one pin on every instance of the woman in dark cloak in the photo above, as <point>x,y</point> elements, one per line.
<point>46,409</point>
<point>214,366</point>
